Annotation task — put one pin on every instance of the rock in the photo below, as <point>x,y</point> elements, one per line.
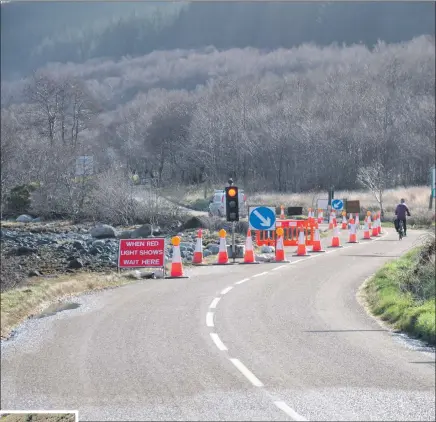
<point>77,244</point>
<point>103,231</point>
<point>267,249</point>
<point>141,232</point>
<point>98,243</point>
<point>34,273</point>
<point>264,257</point>
<point>206,252</point>
<point>138,275</point>
<point>214,249</point>
<point>126,234</point>
<point>196,223</point>
<point>36,220</point>
<point>157,231</point>
<point>25,250</point>
<point>95,250</point>
<point>76,263</point>
<point>24,218</point>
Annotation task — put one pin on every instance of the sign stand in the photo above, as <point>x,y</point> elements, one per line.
<point>233,242</point>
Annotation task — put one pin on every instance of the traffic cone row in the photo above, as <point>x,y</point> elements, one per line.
<point>282,212</point>
<point>372,228</point>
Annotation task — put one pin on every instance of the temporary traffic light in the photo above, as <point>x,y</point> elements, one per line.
<point>232,203</point>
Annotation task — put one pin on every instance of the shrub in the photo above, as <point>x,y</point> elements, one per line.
<point>19,199</point>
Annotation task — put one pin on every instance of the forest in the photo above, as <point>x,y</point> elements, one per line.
<point>284,119</point>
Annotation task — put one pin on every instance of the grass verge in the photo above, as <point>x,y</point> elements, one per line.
<point>21,303</point>
<point>387,297</point>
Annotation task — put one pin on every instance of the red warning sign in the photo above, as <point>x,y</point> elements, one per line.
<point>141,253</point>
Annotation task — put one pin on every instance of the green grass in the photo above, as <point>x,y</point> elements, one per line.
<point>388,297</point>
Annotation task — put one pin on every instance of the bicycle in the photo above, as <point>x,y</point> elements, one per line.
<point>400,229</point>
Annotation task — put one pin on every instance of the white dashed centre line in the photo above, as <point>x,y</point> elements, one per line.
<point>226,290</point>
<point>209,319</point>
<point>247,373</point>
<point>277,268</point>
<point>260,274</point>
<point>214,302</point>
<point>290,412</point>
<point>218,342</point>
<point>242,281</point>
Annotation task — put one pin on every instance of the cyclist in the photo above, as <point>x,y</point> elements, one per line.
<point>401,211</point>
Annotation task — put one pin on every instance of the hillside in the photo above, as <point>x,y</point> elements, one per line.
<point>78,31</point>
<point>209,91</point>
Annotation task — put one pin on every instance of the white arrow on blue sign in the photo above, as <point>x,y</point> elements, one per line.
<point>262,218</point>
<point>337,204</point>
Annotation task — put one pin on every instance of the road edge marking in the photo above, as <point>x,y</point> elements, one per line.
<point>289,411</point>
<point>246,372</point>
<point>218,343</point>
<point>226,290</point>
<point>214,302</point>
<point>209,319</point>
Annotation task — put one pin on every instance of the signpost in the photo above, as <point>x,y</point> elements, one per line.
<point>262,218</point>
<point>142,253</point>
<point>84,165</point>
<point>337,204</point>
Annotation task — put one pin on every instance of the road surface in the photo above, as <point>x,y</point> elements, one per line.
<point>246,342</point>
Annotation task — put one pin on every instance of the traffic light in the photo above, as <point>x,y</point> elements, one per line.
<point>232,203</point>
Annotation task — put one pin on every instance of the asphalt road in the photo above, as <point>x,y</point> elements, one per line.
<point>246,342</point>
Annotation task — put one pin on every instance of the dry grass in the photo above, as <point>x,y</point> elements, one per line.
<point>39,417</point>
<point>19,304</point>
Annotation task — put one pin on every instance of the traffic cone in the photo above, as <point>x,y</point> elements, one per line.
<point>176,261</point>
<point>331,225</point>
<point>352,238</point>
<point>344,221</point>
<point>366,234</point>
<point>223,257</point>
<point>249,257</point>
<point>282,212</point>
<point>301,248</point>
<point>335,223</point>
<point>336,243</point>
<point>379,224</point>
<point>198,253</point>
<point>316,246</point>
<point>320,216</point>
<point>350,216</point>
<point>368,219</point>
<point>280,247</point>
<point>357,221</point>
<point>309,213</point>
<point>374,228</point>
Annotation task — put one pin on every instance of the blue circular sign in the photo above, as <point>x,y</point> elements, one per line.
<point>262,218</point>
<point>337,204</point>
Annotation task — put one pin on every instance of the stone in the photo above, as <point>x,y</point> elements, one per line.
<point>103,231</point>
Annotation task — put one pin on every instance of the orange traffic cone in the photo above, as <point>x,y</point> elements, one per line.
<point>331,225</point>
<point>223,257</point>
<point>316,246</point>
<point>344,221</point>
<point>176,262</point>
<point>282,212</point>
<point>352,236</point>
<point>379,223</point>
<point>357,221</point>
<point>366,235</point>
<point>374,228</point>
<point>309,213</point>
<point>280,247</point>
<point>320,216</point>
<point>301,248</point>
<point>198,253</point>
<point>368,219</point>
<point>335,223</point>
<point>336,243</point>
<point>249,257</point>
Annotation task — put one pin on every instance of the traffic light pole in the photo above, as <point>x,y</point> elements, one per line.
<point>233,242</point>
